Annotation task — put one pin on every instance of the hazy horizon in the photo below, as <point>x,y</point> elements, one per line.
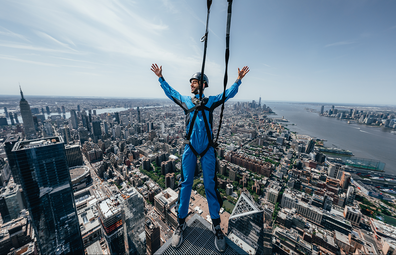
<point>304,51</point>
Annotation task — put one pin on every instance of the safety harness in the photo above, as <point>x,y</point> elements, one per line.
<point>200,104</point>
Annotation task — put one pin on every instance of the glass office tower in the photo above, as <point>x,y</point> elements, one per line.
<point>46,182</point>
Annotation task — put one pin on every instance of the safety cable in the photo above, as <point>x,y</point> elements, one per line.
<point>227,56</point>
<point>204,39</point>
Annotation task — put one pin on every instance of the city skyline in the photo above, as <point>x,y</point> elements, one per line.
<point>339,52</point>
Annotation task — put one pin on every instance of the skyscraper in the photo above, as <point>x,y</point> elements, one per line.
<point>8,145</point>
<point>16,118</point>
<point>246,223</point>
<point>46,182</point>
<point>138,113</point>
<point>48,110</point>
<point>117,117</point>
<point>11,118</point>
<point>26,117</point>
<point>6,112</point>
<point>322,110</point>
<point>97,131</point>
<point>74,120</point>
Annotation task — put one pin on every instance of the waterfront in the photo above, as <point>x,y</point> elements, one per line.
<point>364,141</point>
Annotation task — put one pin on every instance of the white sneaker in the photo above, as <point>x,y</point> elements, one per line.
<point>177,238</point>
<point>220,241</point>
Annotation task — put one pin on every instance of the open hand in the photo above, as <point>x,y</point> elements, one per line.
<point>243,72</point>
<point>157,70</point>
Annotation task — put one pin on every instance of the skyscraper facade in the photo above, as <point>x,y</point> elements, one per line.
<point>46,182</point>
<point>138,113</point>
<point>8,145</point>
<point>74,120</point>
<point>27,118</point>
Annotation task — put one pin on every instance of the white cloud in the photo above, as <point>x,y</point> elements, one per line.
<point>12,58</point>
<point>52,39</point>
<point>9,33</point>
<point>339,43</point>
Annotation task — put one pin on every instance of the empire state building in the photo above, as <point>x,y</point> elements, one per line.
<point>27,117</point>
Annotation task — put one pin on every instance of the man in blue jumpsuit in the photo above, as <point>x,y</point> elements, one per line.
<point>199,142</point>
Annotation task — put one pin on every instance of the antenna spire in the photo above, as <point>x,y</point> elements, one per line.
<point>21,91</point>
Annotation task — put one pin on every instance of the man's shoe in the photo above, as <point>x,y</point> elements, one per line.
<point>177,238</point>
<point>220,241</point>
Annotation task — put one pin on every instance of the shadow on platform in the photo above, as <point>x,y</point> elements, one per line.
<point>198,239</point>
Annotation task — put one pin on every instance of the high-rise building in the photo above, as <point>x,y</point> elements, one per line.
<point>74,120</point>
<point>78,108</point>
<point>63,109</point>
<point>310,146</point>
<point>65,133</point>
<point>138,113</point>
<point>16,118</point>
<point>48,110</point>
<point>13,199</point>
<point>11,118</point>
<point>153,240</point>
<point>27,117</point>
<point>48,129</point>
<point>117,117</point>
<point>134,220</point>
<point>112,216</point>
<point>259,105</point>
<point>83,134</point>
<point>97,131</point>
<point>322,110</point>
<point>6,112</point>
<point>170,180</point>
<point>3,121</point>
<point>245,217</point>
<point>46,183</point>
<point>8,145</point>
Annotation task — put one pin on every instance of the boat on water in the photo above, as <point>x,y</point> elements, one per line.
<point>336,151</point>
<point>389,191</point>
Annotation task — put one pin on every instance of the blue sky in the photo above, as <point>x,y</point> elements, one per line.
<point>297,50</point>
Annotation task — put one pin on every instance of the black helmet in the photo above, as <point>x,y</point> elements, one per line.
<point>197,76</point>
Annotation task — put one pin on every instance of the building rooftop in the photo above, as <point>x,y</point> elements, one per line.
<point>109,207</point>
<point>30,144</point>
<point>198,239</point>
<point>78,171</point>
<point>244,206</point>
<point>167,196</point>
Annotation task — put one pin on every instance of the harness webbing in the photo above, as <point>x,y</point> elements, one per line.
<point>204,38</point>
<point>227,56</point>
<point>200,106</point>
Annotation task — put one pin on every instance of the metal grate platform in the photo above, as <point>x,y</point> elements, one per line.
<point>198,239</point>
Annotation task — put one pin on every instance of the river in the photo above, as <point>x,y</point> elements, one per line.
<point>364,141</point>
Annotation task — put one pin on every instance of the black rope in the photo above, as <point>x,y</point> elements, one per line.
<point>227,56</point>
<point>204,39</point>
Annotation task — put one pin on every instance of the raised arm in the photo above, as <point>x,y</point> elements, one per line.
<point>169,91</point>
<point>231,92</point>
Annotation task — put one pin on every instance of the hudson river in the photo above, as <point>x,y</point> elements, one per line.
<point>364,141</point>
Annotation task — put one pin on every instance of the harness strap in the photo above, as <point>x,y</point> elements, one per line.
<point>204,39</point>
<point>188,136</point>
<point>227,56</point>
<point>199,106</point>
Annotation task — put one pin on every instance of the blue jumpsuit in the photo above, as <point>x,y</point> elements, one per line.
<point>199,140</point>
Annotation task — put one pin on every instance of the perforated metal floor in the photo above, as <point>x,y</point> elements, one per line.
<point>198,239</point>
